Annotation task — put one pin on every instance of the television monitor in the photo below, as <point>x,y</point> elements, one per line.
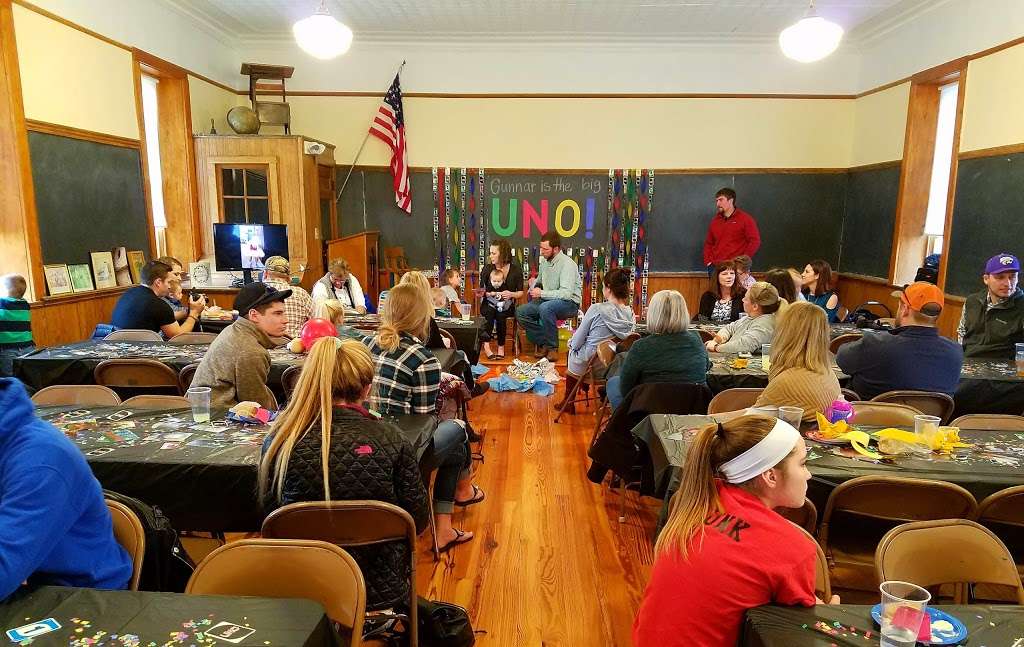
<point>246,247</point>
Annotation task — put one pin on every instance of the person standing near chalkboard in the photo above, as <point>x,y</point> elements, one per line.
<point>732,232</point>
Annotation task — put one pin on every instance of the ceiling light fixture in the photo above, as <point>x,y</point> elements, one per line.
<point>811,39</point>
<point>321,36</point>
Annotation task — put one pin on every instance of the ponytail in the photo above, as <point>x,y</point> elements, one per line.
<point>407,309</point>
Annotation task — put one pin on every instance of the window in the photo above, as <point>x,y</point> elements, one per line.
<point>244,194</point>
<point>938,192</point>
<point>150,118</point>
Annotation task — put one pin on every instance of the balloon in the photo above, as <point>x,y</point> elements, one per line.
<point>314,329</point>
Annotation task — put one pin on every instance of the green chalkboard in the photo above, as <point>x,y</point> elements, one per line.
<point>988,218</point>
<point>870,217</point>
<point>89,197</point>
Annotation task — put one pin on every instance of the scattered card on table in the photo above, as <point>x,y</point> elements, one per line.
<point>209,427</point>
<point>229,632</point>
<point>178,436</point>
<point>171,445</point>
<point>119,415</point>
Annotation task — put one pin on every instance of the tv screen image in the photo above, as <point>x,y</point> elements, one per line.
<point>247,247</point>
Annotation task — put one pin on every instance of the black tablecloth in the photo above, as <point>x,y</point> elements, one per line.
<point>771,626</point>
<point>121,618</point>
<point>723,376</point>
<point>203,477</point>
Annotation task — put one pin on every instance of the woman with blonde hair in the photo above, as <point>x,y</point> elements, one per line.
<point>724,549</point>
<point>407,380</point>
<point>761,303</point>
<point>422,283</point>
<point>334,311</point>
<point>801,372</point>
<point>323,436</point>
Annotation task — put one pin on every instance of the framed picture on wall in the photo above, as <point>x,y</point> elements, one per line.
<point>121,269</point>
<point>81,278</point>
<point>103,269</point>
<point>58,281</point>
<point>135,261</point>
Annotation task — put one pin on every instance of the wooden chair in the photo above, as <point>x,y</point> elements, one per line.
<point>128,532</point>
<point>947,551</point>
<point>185,376</point>
<point>860,511</point>
<point>193,338</point>
<point>129,334</point>
<point>990,421</point>
<point>885,414</point>
<point>932,404</point>
<point>396,264</point>
<point>289,379</point>
<point>350,524</point>
<point>595,365</point>
<point>157,402</point>
<point>733,400</point>
<point>845,338</point>
<point>136,375</point>
<point>850,395</point>
<point>287,568</point>
<point>805,516</point>
<point>1003,513</point>
<point>76,394</point>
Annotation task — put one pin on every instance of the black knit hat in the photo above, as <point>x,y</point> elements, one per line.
<point>254,295</point>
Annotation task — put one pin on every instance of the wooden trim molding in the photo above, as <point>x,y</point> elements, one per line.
<point>604,171</point>
<point>866,279</point>
<point>954,165</point>
<point>996,151</point>
<point>143,156</point>
<point>876,166</point>
<point>79,133</point>
<point>78,297</point>
<point>549,95</point>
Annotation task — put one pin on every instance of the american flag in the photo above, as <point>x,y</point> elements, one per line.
<point>389,127</point>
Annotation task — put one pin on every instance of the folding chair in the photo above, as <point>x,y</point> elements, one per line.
<point>128,532</point>
<point>883,414</point>
<point>1003,513</point>
<point>845,338</point>
<point>157,402</point>
<point>590,375</point>
<point>733,400</point>
<point>185,376</point>
<point>76,394</point>
<point>932,404</point>
<point>137,375</point>
<point>289,379</point>
<point>131,334</point>
<point>805,516</point>
<point>193,338</point>
<point>990,421</point>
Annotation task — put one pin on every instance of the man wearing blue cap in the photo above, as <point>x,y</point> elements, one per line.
<point>993,320</point>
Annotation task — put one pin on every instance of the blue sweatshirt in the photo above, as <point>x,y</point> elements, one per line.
<point>909,357</point>
<point>54,524</point>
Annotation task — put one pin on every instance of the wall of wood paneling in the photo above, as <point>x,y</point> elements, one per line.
<point>71,318</point>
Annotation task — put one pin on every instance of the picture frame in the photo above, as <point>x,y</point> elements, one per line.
<point>81,278</point>
<point>122,272</point>
<point>103,270</point>
<point>200,274</point>
<point>58,281</point>
<point>136,259</point>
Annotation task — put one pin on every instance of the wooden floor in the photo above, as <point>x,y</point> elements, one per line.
<point>550,563</point>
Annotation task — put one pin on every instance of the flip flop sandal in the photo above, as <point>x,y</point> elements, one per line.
<point>492,356</point>
<point>460,538</point>
<point>478,496</point>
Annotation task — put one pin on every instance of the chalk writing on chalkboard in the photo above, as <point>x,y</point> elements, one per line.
<point>527,208</point>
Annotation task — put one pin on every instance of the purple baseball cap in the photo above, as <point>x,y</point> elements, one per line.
<point>1002,263</point>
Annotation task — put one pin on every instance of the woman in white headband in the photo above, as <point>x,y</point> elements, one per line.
<point>724,549</point>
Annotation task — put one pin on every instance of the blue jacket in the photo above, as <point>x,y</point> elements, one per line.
<point>909,357</point>
<point>54,524</point>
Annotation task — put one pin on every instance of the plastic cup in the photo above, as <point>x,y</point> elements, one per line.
<point>199,398</point>
<point>1019,355</point>
<point>792,415</point>
<point>766,357</point>
<point>903,611</point>
<point>927,427</point>
<point>466,310</point>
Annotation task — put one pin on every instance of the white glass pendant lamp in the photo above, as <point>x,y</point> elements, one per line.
<point>321,35</point>
<point>811,39</point>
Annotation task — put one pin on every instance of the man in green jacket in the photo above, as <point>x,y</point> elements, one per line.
<point>993,319</point>
<point>557,294</point>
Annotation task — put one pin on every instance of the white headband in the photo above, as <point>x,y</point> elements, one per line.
<point>763,456</point>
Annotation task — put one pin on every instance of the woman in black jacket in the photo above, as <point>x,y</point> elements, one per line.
<point>723,303</point>
<point>361,458</point>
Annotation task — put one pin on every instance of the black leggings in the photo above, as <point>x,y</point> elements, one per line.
<point>492,319</point>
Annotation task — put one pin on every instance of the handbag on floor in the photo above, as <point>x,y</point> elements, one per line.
<point>443,625</point>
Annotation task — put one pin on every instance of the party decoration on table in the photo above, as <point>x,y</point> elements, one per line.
<point>250,413</point>
<point>839,410</point>
<point>940,628</point>
<point>314,329</point>
<point>898,441</point>
<point>833,433</point>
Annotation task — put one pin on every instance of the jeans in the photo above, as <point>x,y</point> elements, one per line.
<point>451,460</point>
<point>7,356</point>
<point>539,318</point>
<point>613,389</point>
<point>494,319</point>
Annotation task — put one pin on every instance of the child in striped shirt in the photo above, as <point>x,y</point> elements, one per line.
<point>15,322</point>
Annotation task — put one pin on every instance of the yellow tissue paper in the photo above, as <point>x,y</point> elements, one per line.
<point>831,430</point>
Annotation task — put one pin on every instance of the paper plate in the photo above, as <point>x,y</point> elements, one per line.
<point>815,435</point>
<point>939,637</point>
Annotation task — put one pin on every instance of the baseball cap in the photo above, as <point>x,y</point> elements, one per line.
<point>278,264</point>
<point>922,297</point>
<point>253,295</point>
<point>1002,263</point>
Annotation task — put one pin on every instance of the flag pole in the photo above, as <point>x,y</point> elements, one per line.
<point>361,147</point>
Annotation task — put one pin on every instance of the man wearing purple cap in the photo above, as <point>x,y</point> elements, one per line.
<point>993,320</point>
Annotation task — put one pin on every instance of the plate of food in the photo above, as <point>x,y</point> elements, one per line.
<point>944,628</point>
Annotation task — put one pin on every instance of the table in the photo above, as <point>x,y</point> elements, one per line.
<point>774,626</point>
<point>722,376</point>
<point>835,329</point>
<point>466,333</point>
<point>121,618</point>
<point>203,477</point>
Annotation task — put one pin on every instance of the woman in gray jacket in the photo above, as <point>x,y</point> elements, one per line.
<point>761,303</point>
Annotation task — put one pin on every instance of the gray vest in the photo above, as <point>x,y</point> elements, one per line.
<point>992,332</point>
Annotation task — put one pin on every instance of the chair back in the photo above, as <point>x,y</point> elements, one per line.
<point>287,568</point>
<point>92,395</point>
<point>449,339</point>
<point>850,395</point>
<point>842,312</point>
<point>157,402</point>
<point>193,338</point>
<point>733,399</point>
<point>822,580</point>
<point>395,259</point>
<point>606,352</point>
<point>885,414</point>
<point>705,335</point>
<point>868,305</point>
<point>946,551</point>
<point>845,338</point>
<point>128,532</point>
<point>990,422</point>
<point>289,379</point>
<point>932,404</point>
<point>131,334</point>
<point>806,516</point>
<point>627,343</point>
<point>1003,513</point>
<point>136,374</point>
<point>185,376</point>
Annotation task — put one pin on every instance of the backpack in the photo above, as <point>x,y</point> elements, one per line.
<point>165,564</point>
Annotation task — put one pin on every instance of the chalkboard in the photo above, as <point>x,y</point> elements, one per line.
<point>988,218</point>
<point>868,224</point>
<point>89,197</point>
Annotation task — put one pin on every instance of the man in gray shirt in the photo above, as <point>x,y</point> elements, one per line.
<point>557,294</point>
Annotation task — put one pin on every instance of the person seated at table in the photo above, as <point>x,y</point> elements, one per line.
<point>501,285</point>
<point>176,299</point>
<point>746,335</point>
<point>798,283</point>
<point>332,310</point>
<point>54,524</point>
<point>440,303</point>
<point>817,288</point>
<point>451,281</point>
<point>912,356</point>
<point>406,380</point>
<point>340,284</point>
<point>422,283</point>
<point>783,283</point>
<point>177,269</point>
<point>724,301</point>
<point>277,273</point>
<point>301,462</point>
<point>724,549</point>
<point>610,318</point>
<point>669,353</point>
<point>236,365</point>
<point>15,322</point>
<point>744,278</point>
<point>142,307</point>
<point>992,320</point>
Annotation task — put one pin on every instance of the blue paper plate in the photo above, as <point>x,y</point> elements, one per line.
<point>953,637</point>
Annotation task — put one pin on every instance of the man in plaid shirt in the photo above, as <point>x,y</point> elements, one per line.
<point>299,306</point>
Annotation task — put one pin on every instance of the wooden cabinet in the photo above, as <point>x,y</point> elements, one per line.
<point>362,254</point>
<point>295,192</point>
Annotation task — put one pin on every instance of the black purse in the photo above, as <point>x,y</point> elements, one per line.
<point>443,625</point>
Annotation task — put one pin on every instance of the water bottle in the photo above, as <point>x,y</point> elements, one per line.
<point>839,410</point>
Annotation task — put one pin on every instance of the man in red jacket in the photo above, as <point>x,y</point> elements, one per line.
<point>732,232</point>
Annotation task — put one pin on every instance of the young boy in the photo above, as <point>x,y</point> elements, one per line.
<point>451,281</point>
<point>440,301</point>
<point>15,322</point>
<point>174,299</point>
<point>743,275</point>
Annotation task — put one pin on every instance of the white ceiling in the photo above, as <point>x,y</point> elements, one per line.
<point>713,21</point>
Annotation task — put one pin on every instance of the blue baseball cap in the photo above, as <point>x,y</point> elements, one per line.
<point>1002,263</point>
